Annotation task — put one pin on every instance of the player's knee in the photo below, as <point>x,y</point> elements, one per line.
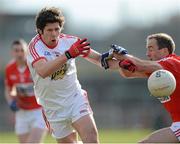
<point>91,136</point>
<point>94,135</point>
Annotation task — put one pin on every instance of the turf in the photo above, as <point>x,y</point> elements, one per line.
<point>106,136</point>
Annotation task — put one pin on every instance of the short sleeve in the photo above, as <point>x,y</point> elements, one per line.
<point>169,64</point>
<point>34,53</point>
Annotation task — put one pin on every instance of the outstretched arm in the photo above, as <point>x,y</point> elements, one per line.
<point>100,59</point>
<point>124,72</point>
<point>106,59</point>
<point>142,66</point>
<point>94,57</point>
<point>131,66</point>
<point>11,100</point>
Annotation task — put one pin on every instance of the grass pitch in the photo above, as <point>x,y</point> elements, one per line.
<point>106,136</point>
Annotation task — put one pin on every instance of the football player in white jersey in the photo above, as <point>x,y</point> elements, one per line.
<point>51,60</point>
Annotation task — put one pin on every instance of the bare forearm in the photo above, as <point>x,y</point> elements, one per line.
<point>114,65</point>
<point>94,57</point>
<point>45,69</point>
<point>144,66</point>
<point>8,97</point>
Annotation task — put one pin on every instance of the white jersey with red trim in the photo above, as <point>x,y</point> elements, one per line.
<point>53,92</point>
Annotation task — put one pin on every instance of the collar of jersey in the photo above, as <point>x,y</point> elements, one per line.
<point>50,47</point>
<point>170,55</point>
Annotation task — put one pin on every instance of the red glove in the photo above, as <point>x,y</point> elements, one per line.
<point>81,47</point>
<point>128,65</point>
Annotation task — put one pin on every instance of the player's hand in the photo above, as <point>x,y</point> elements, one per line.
<point>13,106</point>
<point>104,59</point>
<point>81,47</point>
<point>118,49</point>
<point>128,65</point>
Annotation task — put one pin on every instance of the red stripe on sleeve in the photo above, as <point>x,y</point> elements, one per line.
<point>32,49</point>
<point>39,58</point>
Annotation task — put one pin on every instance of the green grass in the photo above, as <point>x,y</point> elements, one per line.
<point>106,136</point>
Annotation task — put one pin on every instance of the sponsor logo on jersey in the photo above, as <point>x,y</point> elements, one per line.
<point>25,89</point>
<point>56,53</point>
<point>46,53</point>
<point>59,74</point>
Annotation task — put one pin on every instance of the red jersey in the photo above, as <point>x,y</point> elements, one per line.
<point>21,82</point>
<point>172,64</point>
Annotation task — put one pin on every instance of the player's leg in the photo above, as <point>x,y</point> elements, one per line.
<point>60,126</point>
<point>23,137</point>
<point>38,129</point>
<point>86,129</point>
<point>83,120</point>
<point>21,126</point>
<point>63,132</point>
<point>175,127</point>
<point>36,135</point>
<point>71,138</point>
<point>164,135</point>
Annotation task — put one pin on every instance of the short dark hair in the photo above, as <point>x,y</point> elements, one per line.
<point>19,42</point>
<point>49,15</point>
<point>163,41</point>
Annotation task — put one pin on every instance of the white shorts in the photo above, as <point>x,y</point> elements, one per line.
<point>61,126</point>
<point>28,119</point>
<point>175,127</point>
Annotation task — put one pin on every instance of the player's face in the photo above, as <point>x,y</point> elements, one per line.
<point>18,52</point>
<point>153,52</point>
<point>50,34</point>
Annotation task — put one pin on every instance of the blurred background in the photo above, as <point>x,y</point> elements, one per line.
<point>117,103</point>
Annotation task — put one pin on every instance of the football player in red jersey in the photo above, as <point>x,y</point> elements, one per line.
<point>160,51</point>
<point>30,126</point>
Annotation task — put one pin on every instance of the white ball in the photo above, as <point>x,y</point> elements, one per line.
<point>161,83</point>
